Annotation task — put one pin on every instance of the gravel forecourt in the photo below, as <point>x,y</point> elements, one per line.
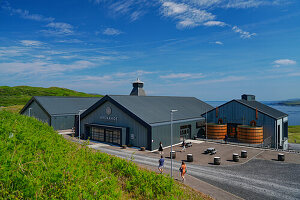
<point>256,179</point>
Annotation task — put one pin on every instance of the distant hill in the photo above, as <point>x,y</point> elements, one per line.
<point>20,95</point>
<point>291,102</point>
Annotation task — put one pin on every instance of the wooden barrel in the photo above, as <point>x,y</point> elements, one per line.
<point>190,158</point>
<point>250,134</point>
<point>217,160</point>
<point>216,131</point>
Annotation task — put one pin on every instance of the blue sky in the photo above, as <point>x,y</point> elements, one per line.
<point>210,49</point>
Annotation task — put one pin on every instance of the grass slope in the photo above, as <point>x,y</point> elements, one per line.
<point>294,134</point>
<point>20,95</point>
<point>37,163</point>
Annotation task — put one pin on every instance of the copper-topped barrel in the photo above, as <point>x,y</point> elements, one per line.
<point>216,131</point>
<point>250,134</point>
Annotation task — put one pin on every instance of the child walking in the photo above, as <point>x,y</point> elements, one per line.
<point>161,164</point>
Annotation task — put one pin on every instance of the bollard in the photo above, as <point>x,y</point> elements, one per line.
<point>217,160</point>
<point>235,157</point>
<point>173,154</point>
<point>190,158</point>
<point>244,154</point>
<point>280,157</point>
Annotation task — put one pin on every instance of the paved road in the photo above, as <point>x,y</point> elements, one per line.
<point>293,146</point>
<point>257,179</point>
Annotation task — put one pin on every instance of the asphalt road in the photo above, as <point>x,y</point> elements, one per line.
<point>293,146</point>
<point>256,179</point>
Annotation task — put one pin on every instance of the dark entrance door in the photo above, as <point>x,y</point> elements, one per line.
<point>185,132</point>
<point>106,134</point>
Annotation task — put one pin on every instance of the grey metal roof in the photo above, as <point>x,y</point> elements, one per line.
<point>263,108</point>
<point>65,105</point>
<point>155,109</point>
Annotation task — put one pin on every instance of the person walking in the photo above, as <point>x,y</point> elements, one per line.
<point>183,170</point>
<point>183,145</point>
<point>160,149</point>
<point>161,164</point>
<point>226,138</point>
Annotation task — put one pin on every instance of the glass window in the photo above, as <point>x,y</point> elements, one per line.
<point>116,137</point>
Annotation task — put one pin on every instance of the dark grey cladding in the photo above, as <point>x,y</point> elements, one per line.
<point>137,89</point>
<point>63,105</point>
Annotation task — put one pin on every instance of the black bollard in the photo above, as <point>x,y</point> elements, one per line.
<point>217,160</point>
<point>244,154</point>
<point>190,158</point>
<point>280,157</point>
<point>235,157</point>
<point>173,154</point>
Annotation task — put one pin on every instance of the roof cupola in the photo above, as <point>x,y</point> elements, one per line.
<point>137,89</point>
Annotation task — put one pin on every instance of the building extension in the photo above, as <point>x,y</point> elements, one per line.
<point>58,112</point>
<point>248,111</point>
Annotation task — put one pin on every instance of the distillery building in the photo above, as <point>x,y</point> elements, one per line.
<point>58,112</point>
<point>142,121</point>
<point>251,121</point>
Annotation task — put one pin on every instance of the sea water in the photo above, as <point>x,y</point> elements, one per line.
<point>292,111</point>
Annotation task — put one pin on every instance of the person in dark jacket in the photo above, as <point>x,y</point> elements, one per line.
<point>160,149</point>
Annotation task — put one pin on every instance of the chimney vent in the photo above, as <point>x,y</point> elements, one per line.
<point>248,97</point>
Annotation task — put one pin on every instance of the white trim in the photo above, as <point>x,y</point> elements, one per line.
<point>175,122</point>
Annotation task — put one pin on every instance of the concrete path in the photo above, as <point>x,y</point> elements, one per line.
<point>256,179</point>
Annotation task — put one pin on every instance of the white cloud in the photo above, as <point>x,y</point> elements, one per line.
<point>112,31</point>
<point>243,4</point>
<point>43,67</point>
<point>219,42</point>
<point>214,23</point>
<point>243,34</point>
<point>25,14</point>
<point>280,62</point>
<point>182,76</point>
<point>221,80</point>
<point>60,28</point>
<point>132,8</point>
<point>185,15</point>
<point>171,8</point>
<point>294,74</point>
<point>31,43</point>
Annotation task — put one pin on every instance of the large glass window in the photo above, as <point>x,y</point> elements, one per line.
<point>97,134</point>
<point>116,137</point>
<point>109,136</point>
<point>103,134</point>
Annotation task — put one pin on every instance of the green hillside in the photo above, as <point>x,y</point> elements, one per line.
<point>38,163</point>
<point>20,95</point>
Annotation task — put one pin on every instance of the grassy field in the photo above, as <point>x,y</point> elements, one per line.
<point>37,163</point>
<point>20,95</point>
<point>294,134</point>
